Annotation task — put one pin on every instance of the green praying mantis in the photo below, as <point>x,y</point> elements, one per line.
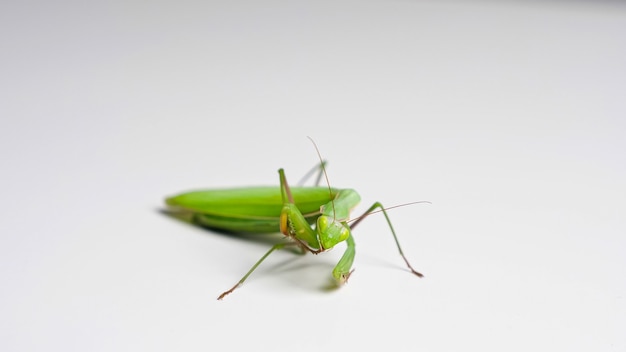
<point>313,219</point>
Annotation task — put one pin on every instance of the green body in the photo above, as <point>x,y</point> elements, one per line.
<point>313,218</point>
<point>250,209</point>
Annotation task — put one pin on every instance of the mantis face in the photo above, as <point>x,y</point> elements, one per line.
<point>331,231</point>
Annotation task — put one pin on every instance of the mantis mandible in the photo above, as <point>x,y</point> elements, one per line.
<point>291,210</point>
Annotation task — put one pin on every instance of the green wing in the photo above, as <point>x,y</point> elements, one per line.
<point>252,209</point>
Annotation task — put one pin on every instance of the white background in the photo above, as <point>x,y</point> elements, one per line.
<point>507,116</point>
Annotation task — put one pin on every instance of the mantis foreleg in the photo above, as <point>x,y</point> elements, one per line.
<point>293,225</point>
<point>343,269</point>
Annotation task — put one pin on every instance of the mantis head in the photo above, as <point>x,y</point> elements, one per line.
<point>331,231</point>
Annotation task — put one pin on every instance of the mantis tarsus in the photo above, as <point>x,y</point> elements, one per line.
<point>291,210</point>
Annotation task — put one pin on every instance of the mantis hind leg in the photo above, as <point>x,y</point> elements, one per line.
<point>319,169</point>
<point>393,232</point>
<point>240,282</point>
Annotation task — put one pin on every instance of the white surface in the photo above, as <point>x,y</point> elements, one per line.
<point>508,117</point>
